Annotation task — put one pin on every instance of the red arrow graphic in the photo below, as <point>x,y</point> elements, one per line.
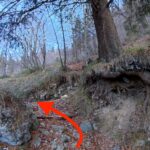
<point>47,107</point>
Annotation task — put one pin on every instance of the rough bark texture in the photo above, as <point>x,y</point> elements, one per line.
<point>109,46</point>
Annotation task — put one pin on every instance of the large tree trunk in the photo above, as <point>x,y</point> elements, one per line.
<point>109,45</point>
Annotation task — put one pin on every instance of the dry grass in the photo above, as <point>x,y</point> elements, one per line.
<point>9,103</point>
<point>138,44</point>
<point>31,84</point>
<point>6,99</point>
<point>24,85</point>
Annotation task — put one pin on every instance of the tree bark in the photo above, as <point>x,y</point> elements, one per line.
<point>59,51</point>
<point>64,41</point>
<point>109,46</point>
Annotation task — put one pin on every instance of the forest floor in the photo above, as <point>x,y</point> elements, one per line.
<point>56,133</point>
<point>53,132</point>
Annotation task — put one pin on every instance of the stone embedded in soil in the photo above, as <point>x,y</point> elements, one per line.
<point>56,146</point>
<point>37,141</point>
<point>60,147</point>
<point>116,147</point>
<point>65,138</point>
<point>57,128</point>
<point>86,126</point>
<point>42,124</point>
<point>45,132</point>
<point>64,97</point>
<point>95,126</point>
<point>139,143</point>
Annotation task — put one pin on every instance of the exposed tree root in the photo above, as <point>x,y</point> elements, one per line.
<point>128,74</point>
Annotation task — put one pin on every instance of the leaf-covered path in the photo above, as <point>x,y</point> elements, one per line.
<point>55,133</point>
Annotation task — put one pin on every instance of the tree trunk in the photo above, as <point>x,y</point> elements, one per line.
<point>109,46</point>
<point>64,41</point>
<point>59,51</point>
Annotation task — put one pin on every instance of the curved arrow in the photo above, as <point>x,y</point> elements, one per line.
<point>47,107</point>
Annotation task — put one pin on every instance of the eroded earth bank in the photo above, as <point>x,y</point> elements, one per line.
<point>110,102</point>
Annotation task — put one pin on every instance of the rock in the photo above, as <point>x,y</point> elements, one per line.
<point>45,132</point>
<point>95,126</point>
<point>139,143</point>
<point>59,129</point>
<point>126,80</point>
<point>147,142</point>
<point>37,141</point>
<point>64,97</point>
<point>42,124</point>
<point>76,135</point>
<point>15,120</point>
<point>56,96</point>
<point>65,138</point>
<point>69,88</point>
<point>60,91</point>
<point>86,126</point>
<point>56,146</point>
<point>73,145</point>
<point>87,144</point>
<point>43,95</point>
<point>5,148</point>
<point>148,139</point>
<point>116,147</point>
<point>60,147</point>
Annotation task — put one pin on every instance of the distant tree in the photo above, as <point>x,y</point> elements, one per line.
<point>17,12</point>
<point>84,42</point>
<point>64,40</point>
<point>52,50</point>
<point>89,32</point>
<point>11,64</point>
<point>34,44</point>
<point>57,41</point>
<point>136,12</point>
<point>4,61</point>
<point>77,40</point>
<point>43,47</point>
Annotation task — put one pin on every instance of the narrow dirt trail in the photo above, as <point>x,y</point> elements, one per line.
<point>55,133</point>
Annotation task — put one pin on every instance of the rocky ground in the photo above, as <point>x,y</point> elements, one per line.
<point>119,119</point>
<point>55,133</point>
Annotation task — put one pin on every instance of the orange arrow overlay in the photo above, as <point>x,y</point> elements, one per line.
<point>47,107</point>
